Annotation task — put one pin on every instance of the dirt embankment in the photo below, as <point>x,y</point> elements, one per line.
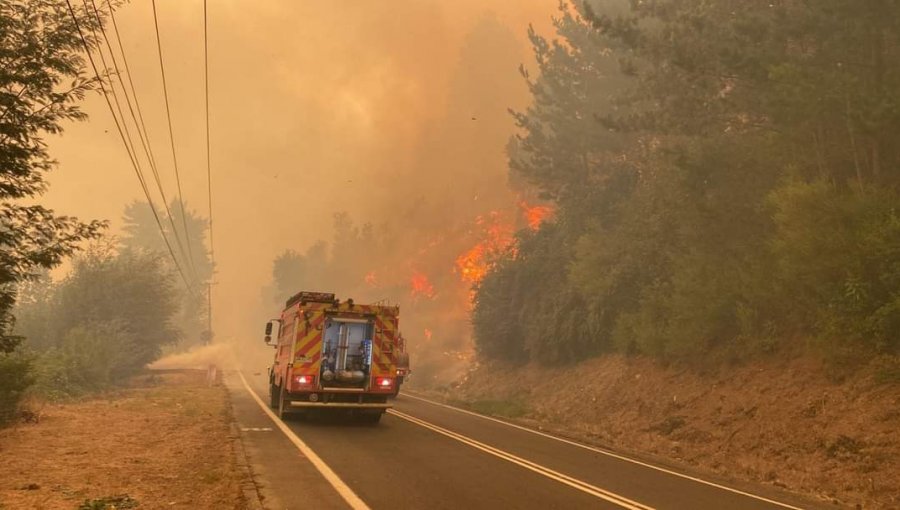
<point>783,423</point>
<point>163,442</point>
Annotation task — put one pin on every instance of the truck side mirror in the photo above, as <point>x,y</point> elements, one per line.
<point>269,328</point>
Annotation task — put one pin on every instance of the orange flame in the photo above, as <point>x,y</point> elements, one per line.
<point>473,264</point>
<point>371,279</point>
<point>420,286</point>
<point>535,215</point>
<point>427,334</point>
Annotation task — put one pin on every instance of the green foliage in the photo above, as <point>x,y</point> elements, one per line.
<point>838,256</point>
<point>15,377</point>
<point>887,369</point>
<point>133,289</point>
<point>41,83</point>
<point>89,358</point>
<point>141,233</point>
<point>107,319</point>
<point>524,308</point>
<point>729,191</point>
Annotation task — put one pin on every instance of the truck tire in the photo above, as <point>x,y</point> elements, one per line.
<point>281,404</point>
<point>274,393</point>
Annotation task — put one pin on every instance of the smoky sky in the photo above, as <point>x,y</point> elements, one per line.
<point>393,111</point>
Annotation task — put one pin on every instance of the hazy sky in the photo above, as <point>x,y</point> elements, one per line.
<point>361,106</point>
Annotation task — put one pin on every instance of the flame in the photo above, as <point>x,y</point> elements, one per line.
<point>420,286</point>
<point>535,215</point>
<point>371,279</point>
<point>497,239</point>
<point>428,334</point>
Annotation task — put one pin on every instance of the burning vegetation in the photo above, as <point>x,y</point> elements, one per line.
<point>495,239</point>
<point>420,286</point>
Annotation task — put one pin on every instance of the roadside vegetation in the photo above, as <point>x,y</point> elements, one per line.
<point>119,306</point>
<point>111,316</point>
<point>726,182</point>
<point>40,87</point>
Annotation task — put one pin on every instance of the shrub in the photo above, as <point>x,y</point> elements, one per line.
<point>91,357</point>
<point>15,377</point>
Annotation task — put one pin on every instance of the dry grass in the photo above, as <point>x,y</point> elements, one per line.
<point>162,442</point>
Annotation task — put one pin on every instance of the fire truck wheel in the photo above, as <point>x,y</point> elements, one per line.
<point>281,402</point>
<point>274,392</point>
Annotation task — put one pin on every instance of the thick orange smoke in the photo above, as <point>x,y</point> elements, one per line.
<point>420,286</point>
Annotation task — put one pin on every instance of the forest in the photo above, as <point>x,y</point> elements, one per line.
<point>725,178</point>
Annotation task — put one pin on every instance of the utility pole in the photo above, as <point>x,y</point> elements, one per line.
<point>209,334</point>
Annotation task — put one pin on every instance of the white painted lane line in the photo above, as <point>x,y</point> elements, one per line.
<point>345,492</point>
<point>607,453</point>
<point>537,468</point>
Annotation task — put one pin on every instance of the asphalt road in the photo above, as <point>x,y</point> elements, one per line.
<point>430,456</point>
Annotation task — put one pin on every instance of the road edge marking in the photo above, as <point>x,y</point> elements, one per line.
<point>575,483</point>
<point>330,476</point>
<point>609,453</point>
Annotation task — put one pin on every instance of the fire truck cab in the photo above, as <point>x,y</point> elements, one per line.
<point>332,354</point>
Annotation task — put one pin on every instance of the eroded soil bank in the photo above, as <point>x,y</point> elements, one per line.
<point>779,423</point>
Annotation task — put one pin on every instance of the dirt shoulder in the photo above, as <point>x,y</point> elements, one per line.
<point>163,442</point>
<point>782,424</point>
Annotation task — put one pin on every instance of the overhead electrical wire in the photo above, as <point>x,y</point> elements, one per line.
<point>139,125</point>
<point>137,104</point>
<point>162,70</point>
<point>128,148</point>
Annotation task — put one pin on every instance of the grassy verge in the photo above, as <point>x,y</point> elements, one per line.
<point>161,442</point>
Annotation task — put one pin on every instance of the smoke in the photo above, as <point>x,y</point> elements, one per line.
<point>395,113</point>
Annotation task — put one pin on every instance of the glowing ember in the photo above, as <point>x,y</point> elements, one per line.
<point>371,279</point>
<point>420,286</point>
<point>427,334</point>
<point>497,239</point>
<point>535,215</point>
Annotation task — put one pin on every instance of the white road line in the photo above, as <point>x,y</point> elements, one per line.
<point>607,453</point>
<point>537,468</point>
<point>345,492</point>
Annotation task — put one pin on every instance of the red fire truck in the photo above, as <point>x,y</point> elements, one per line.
<point>332,354</point>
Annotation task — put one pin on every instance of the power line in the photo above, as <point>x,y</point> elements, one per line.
<point>162,70</point>
<point>140,115</point>
<point>124,141</point>
<point>144,142</point>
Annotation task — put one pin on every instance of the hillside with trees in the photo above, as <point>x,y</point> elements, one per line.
<point>726,182</point>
